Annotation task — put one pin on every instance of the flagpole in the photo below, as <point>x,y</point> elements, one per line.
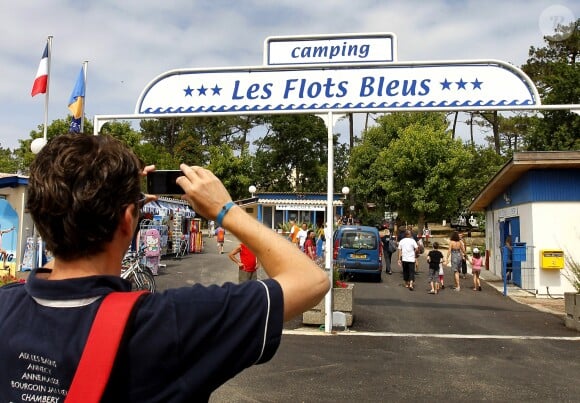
<point>45,133</point>
<point>85,66</point>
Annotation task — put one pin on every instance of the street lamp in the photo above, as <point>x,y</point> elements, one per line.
<point>345,191</point>
<point>37,145</point>
<point>252,190</point>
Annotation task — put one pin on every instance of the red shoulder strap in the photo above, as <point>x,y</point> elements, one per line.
<point>97,360</point>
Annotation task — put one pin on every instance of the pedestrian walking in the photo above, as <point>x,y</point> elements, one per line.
<point>434,257</point>
<point>464,260</point>
<point>454,257</point>
<point>302,235</point>
<point>310,245</point>
<point>389,246</point>
<point>441,276</point>
<point>320,240</point>
<point>407,257</point>
<point>476,264</point>
<point>426,234</point>
<point>220,237</point>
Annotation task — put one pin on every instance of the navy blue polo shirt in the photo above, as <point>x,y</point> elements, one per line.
<point>181,344</point>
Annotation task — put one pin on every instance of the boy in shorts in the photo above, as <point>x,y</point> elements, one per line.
<point>434,258</point>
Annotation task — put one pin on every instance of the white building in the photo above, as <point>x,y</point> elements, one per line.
<point>535,198</point>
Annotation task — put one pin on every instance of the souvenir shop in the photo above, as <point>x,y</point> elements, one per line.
<point>274,209</point>
<point>168,227</point>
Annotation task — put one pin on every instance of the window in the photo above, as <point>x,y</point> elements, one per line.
<point>358,240</point>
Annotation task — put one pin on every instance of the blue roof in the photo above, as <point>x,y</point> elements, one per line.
<point>13,181</point>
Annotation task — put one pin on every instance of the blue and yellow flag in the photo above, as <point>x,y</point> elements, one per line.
<point>75,102</point>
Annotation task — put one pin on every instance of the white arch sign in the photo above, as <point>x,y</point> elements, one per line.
<point>462,85</point>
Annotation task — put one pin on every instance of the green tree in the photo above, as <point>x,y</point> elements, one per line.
<point>341,161</point>
<point>481,166</point>
<point>8,161</point>
<point>122,131</point>
<point>410,163</point>
<point>291,154</point>
<point>235,172</point>
<point>162,133</point>
<point>189,139</point>
<point>426,174</point>
<point>555,71</point>
<point>365,178</point>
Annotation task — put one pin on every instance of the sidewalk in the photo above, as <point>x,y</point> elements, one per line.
<point>554,306</point>
<point>550,305</point>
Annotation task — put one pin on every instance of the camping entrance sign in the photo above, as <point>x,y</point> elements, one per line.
<point>342,74</point>
<point>383,87</point>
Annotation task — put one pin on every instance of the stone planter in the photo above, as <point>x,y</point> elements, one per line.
<point>572,305</point>
<point>342,301</point>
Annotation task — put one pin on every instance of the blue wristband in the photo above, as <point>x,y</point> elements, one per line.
<point>223,212</point>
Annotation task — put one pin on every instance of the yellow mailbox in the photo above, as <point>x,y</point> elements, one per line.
<point>551,259</point>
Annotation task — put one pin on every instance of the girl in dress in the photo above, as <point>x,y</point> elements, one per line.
<point>476,263</point>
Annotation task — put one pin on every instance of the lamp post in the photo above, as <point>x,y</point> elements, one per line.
<point>252,189</point>
<point>345,192</point>
<point>37,145</point>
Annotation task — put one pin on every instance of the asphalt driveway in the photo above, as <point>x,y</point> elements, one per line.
<point>406,346</point>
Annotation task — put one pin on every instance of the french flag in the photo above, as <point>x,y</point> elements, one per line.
<point>41,80</point>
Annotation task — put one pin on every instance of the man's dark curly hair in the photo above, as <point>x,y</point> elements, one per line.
<point>78,188</point>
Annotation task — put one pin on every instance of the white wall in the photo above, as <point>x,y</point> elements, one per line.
<point>556,226</point>
<point>546,225</point>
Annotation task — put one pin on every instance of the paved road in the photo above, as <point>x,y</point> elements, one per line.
<point>407,346</point>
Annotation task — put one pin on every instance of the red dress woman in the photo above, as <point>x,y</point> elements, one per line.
<point>310,245</point>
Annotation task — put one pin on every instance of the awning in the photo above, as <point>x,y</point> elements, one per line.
<point>296,202</point>
<point>176,207</point>
<point>151,208</point>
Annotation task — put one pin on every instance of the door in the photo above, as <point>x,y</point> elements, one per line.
<point>511,226</point>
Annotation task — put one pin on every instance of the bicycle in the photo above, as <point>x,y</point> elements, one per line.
<point>183,249</point>
<point>138,274</point>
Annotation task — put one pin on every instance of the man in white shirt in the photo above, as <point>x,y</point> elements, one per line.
<point>302,235</point>
<point>407,250</point>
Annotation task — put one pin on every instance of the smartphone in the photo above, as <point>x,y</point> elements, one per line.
<point>163,182</point>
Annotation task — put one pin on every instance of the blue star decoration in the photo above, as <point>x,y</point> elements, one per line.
<point>477,84</point>
<point>446,85</point>
<point>461,84</point>
<point>216,90</point>
<point>202,90</point>
<point>188,91</point>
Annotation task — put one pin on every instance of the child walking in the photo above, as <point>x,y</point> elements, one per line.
<point>476,263</point>
<point>220,234</point>
<point>441,276</point>
<point>434,257</point>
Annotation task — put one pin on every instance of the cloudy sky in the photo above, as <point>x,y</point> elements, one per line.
<point>128,43</point>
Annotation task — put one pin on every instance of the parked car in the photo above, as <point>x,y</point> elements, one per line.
<point>357,250</point>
